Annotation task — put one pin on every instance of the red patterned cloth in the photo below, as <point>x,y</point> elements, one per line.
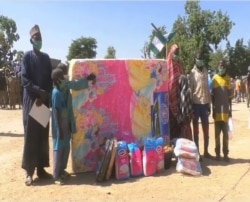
<point>174,71</point>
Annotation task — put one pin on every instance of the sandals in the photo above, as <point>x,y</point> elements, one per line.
<point>65,175</point>
<point>59,181</point>
<point>28,181</point>
<point>42,174</point>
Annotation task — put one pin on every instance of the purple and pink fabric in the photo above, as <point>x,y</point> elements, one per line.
<point>119,105</point>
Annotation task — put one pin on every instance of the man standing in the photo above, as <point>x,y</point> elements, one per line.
<point>237,89</point>
<point>201,101</point>
<point>222,94</point>
<point>3,90</point>
<point>37,84</point>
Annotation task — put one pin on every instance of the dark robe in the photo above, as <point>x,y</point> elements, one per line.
<point>35,75</point>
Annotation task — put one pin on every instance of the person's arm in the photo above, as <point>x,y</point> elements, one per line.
<point>82,83</point>
<point>208,94</point>
<point>27,82</point>
<point>78,84</point>
<point>248,81</point>
<point>230,107</point>
<point>213,99</point>
<point>26,76</point>
<point>56,105</point>
<point>231,94</point>
<point>191,83</point>
<point>57,117</point>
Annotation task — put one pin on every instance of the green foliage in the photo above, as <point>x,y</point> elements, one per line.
<point>199,30</point>
<point>18,57</point>
<point>215,58</point>
<point>111,53</point>
<point>238,58</point>
<point>8,36</point>
<point>145,50</point>
<point>82,48</point>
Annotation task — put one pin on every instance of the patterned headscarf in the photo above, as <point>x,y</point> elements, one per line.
<point>174,71</point>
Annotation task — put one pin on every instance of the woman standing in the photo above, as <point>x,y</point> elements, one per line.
<point>175,70</point>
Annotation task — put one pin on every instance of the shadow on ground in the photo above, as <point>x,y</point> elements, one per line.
<point>10,135</point>
<point>89,178</point>
<point>212,162</point>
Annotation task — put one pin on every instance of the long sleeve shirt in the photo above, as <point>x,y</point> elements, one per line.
<point>199,86</point>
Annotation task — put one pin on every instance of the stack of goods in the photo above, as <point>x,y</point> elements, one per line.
<point>187,157</point>
<point>153,156</point>
<point>128,159</point>
<point>104,167</point>
<point>122,161</point>
<point>135,160</point>
<point>159,155</point>
<point>149,160</point>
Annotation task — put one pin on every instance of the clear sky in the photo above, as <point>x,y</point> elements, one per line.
<point>125,25</point>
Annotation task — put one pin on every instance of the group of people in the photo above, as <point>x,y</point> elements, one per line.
<point>189,100</point>
<point>195,97</point>
<point>10,89</point>
<point>42,85</point>
<point>241,88</point>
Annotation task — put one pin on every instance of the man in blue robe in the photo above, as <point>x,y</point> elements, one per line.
<point>36,81</point>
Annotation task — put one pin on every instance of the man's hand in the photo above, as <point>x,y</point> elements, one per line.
<point>39,102</point>
<point>43,95</point>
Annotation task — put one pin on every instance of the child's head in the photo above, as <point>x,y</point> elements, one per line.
<point>56,75</point>
<point>63,67</point>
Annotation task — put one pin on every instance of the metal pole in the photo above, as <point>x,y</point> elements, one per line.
<point>155,27</point>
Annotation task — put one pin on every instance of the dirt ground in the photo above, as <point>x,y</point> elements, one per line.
<point>220,181</point>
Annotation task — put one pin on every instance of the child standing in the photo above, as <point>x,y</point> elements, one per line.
<point>60,126</point>
<point>66,86</point>
<point>222,94</point>
<point>63,123</point>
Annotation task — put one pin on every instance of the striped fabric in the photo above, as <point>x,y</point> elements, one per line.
<point>185,108</point>
<point>174,71</point>
<point>185,99</point>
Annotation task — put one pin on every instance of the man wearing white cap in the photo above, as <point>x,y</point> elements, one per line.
<point>36,80</point>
